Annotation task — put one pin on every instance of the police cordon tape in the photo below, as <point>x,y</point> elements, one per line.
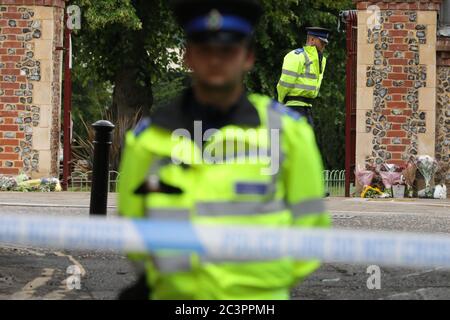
<point>228,243</point>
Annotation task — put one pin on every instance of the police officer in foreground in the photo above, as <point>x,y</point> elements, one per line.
<point>163,179</point>
<point>302,73</point>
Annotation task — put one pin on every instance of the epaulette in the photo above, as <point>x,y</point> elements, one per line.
<point>299,50</point>
<point>142,125</point>
<point>281,108</point>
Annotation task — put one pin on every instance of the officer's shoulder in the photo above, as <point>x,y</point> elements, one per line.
<point>285,111</point>
<point>295,54</point>
<point>261,101</point>
<point>142,126</point>
<point>298,51</point>
<point>162,116</point>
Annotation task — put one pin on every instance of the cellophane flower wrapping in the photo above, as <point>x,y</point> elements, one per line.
<point>22,183</point>
<point>390,174</point>
<point>409,174</point>
<point>390,178</point>
<point>364,177</point>
<point>427,167</point>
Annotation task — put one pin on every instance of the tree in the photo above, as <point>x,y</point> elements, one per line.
<point>281,30</point>
<point>126,43</point>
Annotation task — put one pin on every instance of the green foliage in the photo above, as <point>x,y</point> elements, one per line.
<point>281,30</point>
<point>169,87</point>
<point>89,101</point>
<point>117,35</point>
<point>101,14</point>
<point>83,147</point>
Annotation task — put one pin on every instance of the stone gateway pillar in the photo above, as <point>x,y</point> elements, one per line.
<point>397,82</point>
<point>31,34</point>
<point>443,108</point>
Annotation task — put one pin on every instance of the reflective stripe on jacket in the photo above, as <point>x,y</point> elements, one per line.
<point>301,76</point>
<point>232,192</point>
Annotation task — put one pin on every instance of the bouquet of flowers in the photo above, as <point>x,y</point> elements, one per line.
<point>364,177</point>
<point>409,175</point>
<point>7,183</point>
<point>50,185</point>
<point>390,176</point>
<point>40,185</point>
<point>22,183</point>
<point>371,192</point>
<point>427,167</point>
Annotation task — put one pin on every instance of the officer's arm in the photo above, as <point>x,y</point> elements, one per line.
<point>304,187</point>
<point>304,177</point>
<point>134,166</point>
<point>133,170</point>
<point>292,65</point>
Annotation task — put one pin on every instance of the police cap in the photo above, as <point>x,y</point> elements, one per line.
<point>222,21</point>
<point>320,33</point>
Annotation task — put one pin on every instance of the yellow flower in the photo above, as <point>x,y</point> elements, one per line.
<point>363,194</point>
<point>369,188</point>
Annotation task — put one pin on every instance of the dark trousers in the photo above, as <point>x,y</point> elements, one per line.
<point>305,112</point>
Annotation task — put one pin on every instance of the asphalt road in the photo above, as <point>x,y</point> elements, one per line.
<point>36,273</point>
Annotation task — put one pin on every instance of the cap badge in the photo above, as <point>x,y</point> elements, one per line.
<point>214,20</point>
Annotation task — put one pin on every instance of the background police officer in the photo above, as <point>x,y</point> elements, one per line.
<point>161,179</point>
<point>302,73</point>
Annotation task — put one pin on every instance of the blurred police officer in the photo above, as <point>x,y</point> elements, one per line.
<point>162,180</point>
<point>302,73</point>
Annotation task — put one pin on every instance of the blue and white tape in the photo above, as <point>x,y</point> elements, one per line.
<point>229,243</point>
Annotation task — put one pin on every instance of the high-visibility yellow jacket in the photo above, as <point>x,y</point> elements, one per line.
<point>234,192</point>
<point>301,77</point>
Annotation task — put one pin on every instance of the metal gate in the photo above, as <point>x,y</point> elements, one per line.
<point>350,19</point>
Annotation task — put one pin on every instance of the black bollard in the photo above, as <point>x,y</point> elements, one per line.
<point>100,174</point>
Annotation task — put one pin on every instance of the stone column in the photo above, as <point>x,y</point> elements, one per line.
<point>443,111</point>
<point>30,86</point>
<point>396,80</point>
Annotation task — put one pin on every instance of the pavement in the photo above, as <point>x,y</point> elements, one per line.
<point>38,273</point>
